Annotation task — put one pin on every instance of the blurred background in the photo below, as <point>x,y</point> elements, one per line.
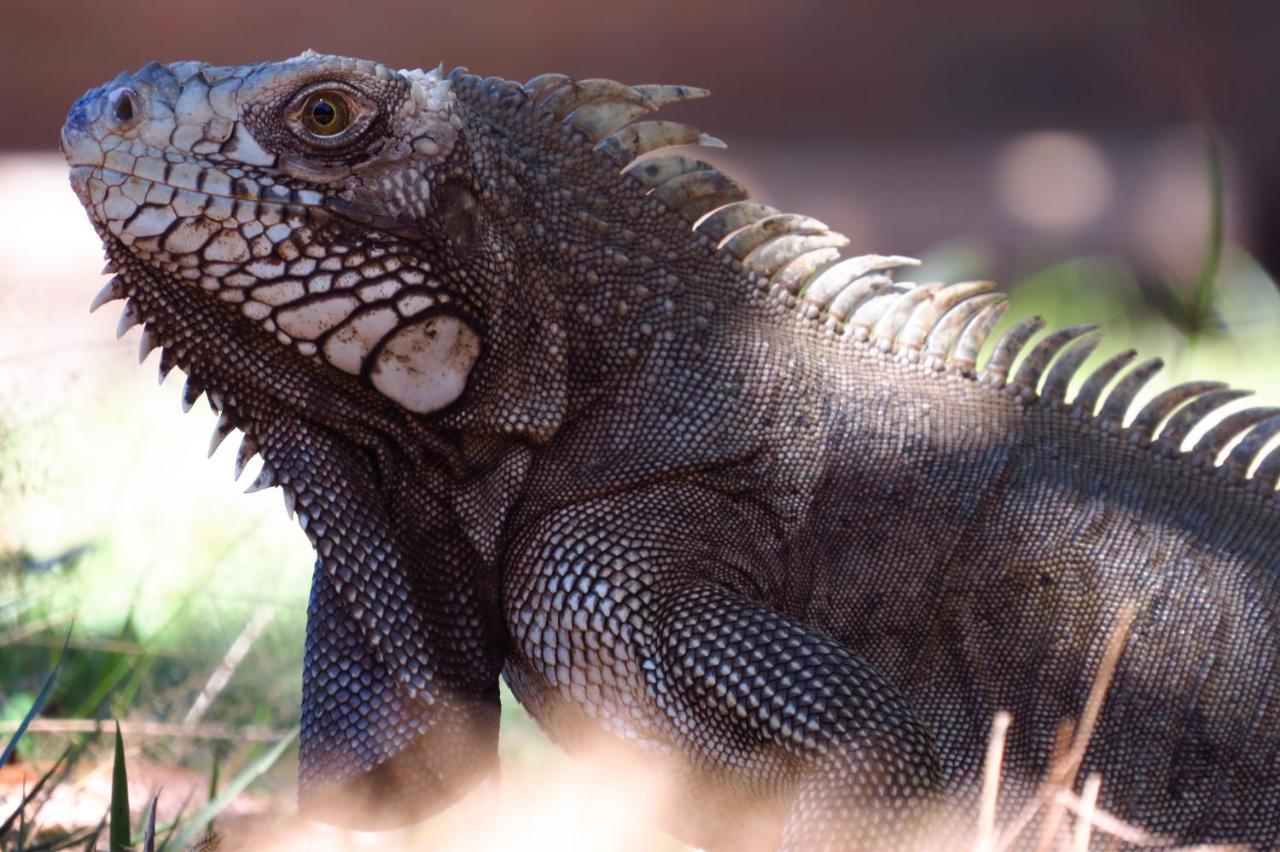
<point>1064,149</point>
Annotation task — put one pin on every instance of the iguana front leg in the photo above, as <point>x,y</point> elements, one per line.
<point>623,611</point>
<point>369,748</point>
<point>400,687</point>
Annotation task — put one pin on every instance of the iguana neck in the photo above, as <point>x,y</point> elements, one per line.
<point>606,283</point>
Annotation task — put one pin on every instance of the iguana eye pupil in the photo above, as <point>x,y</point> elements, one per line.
<point>326,114</point>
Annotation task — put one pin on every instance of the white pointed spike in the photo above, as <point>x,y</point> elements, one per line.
<point>661,94</point>
<point>1064,369</point>
<point>770,258</point>
<point>1007,349</point>
<point>1213,442</point>
<point>947,331</point>
<point>720,224</point>
<point>891,322</point>
<point>657,170</point>
<point>642,137</point>
<point>167,363</point>
<point>112,290</point>
<point>1246,452</point>
<point>856,293</point>
<point>792,276</point>
<point>290,501</point>
<point>748,239</point>
<point>1121,397</point>
<point>697,193</point>
<point>1090,392</point>
<point>1185,420</point>
<point>146,343</point>
<point>220,432</point>
<point>191,391</point>
<point>836,277</point>
<point>266,479</point>
<point>1268,472</point>
<point>110,267</point>
<point>927,318</point>
<point>248,449</point>
<point>1163,404</point>
<point>1043,353</point>
<point>543,80</point>
<point>975,334</point>
<point>130,317</point>
<point>598,119</point>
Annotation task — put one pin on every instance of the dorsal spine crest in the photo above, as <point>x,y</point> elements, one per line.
<point>796,260</point>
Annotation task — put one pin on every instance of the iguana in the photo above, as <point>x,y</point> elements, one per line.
<point>557,404</point>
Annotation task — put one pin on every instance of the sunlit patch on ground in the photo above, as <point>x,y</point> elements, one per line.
<point>557,805</point>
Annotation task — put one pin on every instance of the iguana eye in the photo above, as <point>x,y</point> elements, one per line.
<point>330,115</point>
<point>325,113</point>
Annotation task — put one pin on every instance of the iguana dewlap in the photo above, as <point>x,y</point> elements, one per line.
<point>555,402</point>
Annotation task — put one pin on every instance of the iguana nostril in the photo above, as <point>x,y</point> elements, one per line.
<point>123,108</point>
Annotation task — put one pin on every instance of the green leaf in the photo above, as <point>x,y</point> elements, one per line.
<point>1207,280</point>
<point>149,823</point>
<point>120,838</point>
<point>215,776</point>
<point>36,705</point>
<point>198,820</point>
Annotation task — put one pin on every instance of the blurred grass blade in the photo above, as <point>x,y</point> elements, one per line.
<point>214,777</point>
<point>1207,280</point>
<point>120,839</point>
<point>216,774</point>
<point>149,820</point>
<point>166,841</point>
<point>69,759</point>
<point>198,820</point>
<point>80,838</point>
<point>144,820</point>
<point>37,704</point>
<point>104,685</point>
<point>21,811</point>
<point>93,839</point>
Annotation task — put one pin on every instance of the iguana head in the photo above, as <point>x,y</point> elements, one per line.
<point>466,249</point>
<point>314,195</point>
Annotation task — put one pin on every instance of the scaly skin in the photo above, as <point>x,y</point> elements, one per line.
<point>755,517</point>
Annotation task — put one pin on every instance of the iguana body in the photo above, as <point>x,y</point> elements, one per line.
<point>750,511</point>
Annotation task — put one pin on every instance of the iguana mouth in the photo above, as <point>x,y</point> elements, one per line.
<point>368,310</point>
<point>242,188</point>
